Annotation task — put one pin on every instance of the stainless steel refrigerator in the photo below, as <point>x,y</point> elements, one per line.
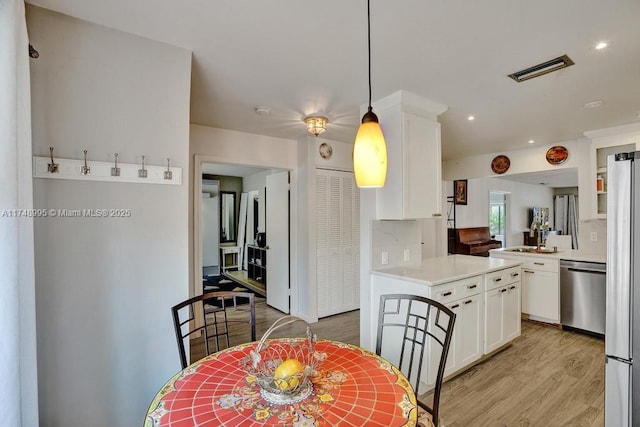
<point>622,332</point>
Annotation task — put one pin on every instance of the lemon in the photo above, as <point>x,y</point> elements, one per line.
<point>284,374</point>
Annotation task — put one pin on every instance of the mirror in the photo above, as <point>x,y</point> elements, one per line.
<point>227,216</point>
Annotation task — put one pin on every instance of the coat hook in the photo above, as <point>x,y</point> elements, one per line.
<point>142,173</point>
<point>168,174</point>
<point>53,166</point>
<point>85,170</point>
<point>33,53</point>
<point>115,170</point>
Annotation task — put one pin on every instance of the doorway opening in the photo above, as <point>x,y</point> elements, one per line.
<point>498,201</point>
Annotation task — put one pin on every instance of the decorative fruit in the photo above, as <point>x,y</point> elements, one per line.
<point>284,374</point>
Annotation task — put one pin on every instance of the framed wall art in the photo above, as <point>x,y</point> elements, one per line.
<point>460,192</point>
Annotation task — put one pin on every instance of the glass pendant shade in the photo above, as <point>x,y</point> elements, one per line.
<point>370,156</point>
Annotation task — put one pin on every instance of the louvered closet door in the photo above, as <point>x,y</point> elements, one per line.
<point>337,242</point>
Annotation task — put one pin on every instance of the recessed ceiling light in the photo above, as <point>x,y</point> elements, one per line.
<point>593,104</point>
<point>471,118</point>
<point>531,141</point>
<point>601,45</point>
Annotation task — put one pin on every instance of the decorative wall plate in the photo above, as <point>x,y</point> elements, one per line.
<point>500,164</point>
<point>325,150</point>
<point>557,155</point>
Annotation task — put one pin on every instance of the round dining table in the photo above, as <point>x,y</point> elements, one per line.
<point>351,387</point>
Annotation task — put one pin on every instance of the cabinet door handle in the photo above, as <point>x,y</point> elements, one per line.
<point>468,302</point>
<point>528,271</point>
<point>512,287</point>
<point>455,306</point>
<point>436,214</point>
<point>472,286</point>
<point>497,279</point>
<point>515,274</point>
<point>538,263</point>
<point>503,290</point>
<point>446,294</point>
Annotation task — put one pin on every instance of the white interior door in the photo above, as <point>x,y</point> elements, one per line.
<point>277,233</point>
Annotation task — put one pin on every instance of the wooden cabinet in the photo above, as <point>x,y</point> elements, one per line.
<point>502,308</point>
<point>257,264</point>
<point>603,144</point>
<point>337,242</point>
<point>413,188</point>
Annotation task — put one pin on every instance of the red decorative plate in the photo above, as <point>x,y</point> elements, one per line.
<point>557,155</point>
<point>500,164</point>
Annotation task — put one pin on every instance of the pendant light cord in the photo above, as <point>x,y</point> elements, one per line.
<point>369,46</point>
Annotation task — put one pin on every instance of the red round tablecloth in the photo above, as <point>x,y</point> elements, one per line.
<point>353,387</point>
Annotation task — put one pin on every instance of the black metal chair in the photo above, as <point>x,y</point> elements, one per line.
<point>415,331</point>
<point>214,319</point>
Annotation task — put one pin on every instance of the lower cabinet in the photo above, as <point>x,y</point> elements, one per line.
<point>468,333</point>
<point>540,295</point>
<point>502,316</point>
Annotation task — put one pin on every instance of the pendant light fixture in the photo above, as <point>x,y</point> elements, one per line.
<point>369,150</point>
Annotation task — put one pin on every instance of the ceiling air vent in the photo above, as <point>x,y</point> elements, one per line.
<point>546,67</point>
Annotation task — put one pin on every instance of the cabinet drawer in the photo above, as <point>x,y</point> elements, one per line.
<point>457,289</point>
<point>502,277</point>
<point>541,264</point>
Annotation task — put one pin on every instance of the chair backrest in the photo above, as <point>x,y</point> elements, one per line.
<point>212,322</point>
<point>415,332</point>
<point>561,241</point>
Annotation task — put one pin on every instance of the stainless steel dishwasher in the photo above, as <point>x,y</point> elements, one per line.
<point>583,295</point>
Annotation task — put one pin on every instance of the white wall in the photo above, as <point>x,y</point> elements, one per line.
<point>520,199</point>
<point>104,287</point>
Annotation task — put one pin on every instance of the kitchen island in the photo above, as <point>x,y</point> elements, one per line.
<point>483,292</point>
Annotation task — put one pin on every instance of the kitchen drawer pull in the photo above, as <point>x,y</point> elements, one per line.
<point>468,302</point>
<point>446,294</point>
<point>538,263</point>
<point>503,290</point>
<point>472,286</point>
<point>512,287</point>
<point>455,306</point>
<point>528,271</point>
<point>515,274</point>
<point>497,279</point>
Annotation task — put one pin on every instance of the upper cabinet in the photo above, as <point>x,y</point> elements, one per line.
<point>413,187</point>
<point>603,144</point>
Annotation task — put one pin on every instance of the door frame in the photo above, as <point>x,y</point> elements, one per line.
<point>195,285</point>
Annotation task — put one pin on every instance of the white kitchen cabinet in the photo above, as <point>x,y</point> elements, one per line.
<point>540,286</point>
<point>337,242</point>
<point>540,295</point>
<point>413,186</point>
<point>468,333</point>
<point>502,308</point>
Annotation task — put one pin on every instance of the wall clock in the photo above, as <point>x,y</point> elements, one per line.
<point>557,155</point>
<point>325,150</point>
<point>500,164</point>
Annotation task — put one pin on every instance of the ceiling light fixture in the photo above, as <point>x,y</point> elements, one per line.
<point>262,110</point>
<point>593,104</point>
<point>316,124</point>
<point>471,118</point>
<point>369,149</point>
<point>601,45</point>
<point>531,141</point>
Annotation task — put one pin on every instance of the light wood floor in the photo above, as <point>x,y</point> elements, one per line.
<point>547,377</point>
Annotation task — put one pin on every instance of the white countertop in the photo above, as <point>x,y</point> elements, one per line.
<point>435,271</point>
<point>573,255</point>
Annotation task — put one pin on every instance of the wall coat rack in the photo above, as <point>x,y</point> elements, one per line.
<point>85,170</point>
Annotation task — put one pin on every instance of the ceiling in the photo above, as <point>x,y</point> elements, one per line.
<point>301,57</point>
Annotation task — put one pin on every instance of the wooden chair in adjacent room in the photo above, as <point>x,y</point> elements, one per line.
<point>413,331</point>
<point>212,322</point>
